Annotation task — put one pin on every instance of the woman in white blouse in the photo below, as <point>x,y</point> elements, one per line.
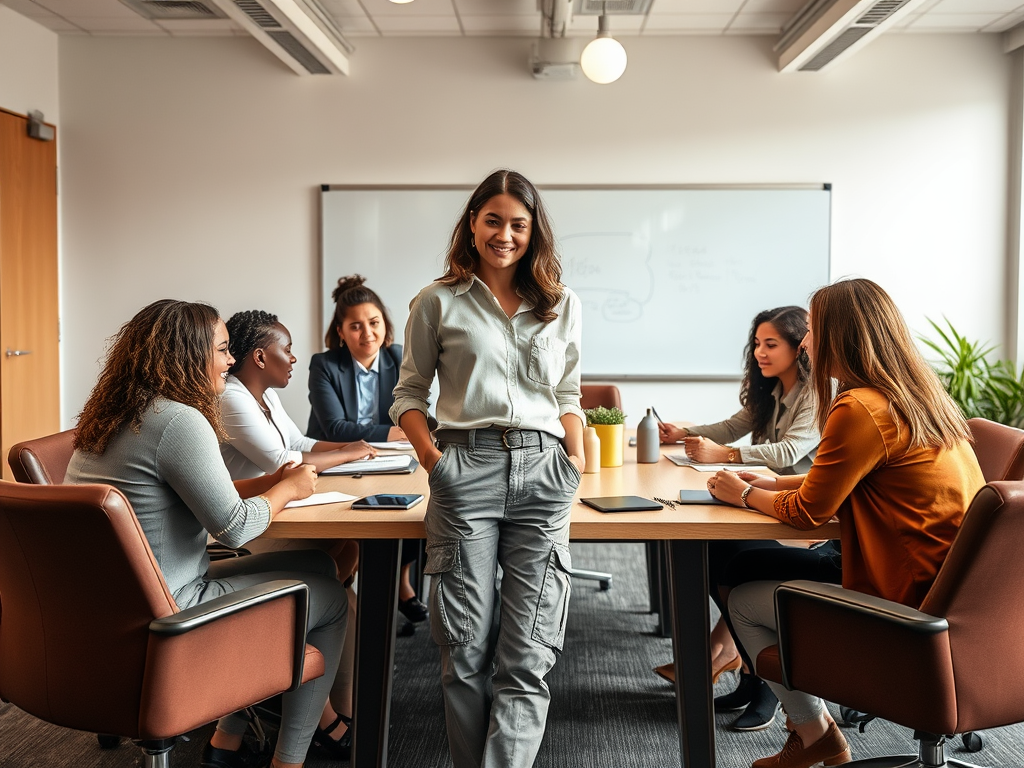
<point>262,438</point>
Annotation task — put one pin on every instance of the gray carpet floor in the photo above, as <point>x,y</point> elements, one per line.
<point>608,709</point>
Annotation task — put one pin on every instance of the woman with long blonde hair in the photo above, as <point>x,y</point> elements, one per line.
<point>895,466</point>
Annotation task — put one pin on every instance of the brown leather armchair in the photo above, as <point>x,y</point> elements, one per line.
<point>91,638</point>
<point>929,669</point>
<point>43,461</point>
<point>999,448</point>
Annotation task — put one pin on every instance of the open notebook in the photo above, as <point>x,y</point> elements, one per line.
<point>399,464</point>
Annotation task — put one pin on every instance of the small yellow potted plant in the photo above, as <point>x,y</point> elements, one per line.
<point>610,424</point>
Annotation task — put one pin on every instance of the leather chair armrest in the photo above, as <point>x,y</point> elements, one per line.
<point>223,655</point>
<point>863,651</point>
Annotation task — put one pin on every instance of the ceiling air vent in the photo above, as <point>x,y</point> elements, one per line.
<point>825,31</point>
<point>161,10</point>
<point>299,32</point>
<point>611,7</point>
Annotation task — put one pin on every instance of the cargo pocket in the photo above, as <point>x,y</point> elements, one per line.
<point>449,610</point>
<point>553,605</point>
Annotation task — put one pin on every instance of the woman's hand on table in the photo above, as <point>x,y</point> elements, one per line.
<point>669,433</point>
<point>728,486</point>
<point>758,480</point>
<point>300,480</point>
<point>357,450</point>
<point>704,451</point>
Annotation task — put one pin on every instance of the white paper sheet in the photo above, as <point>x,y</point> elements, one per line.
<point>329,497</point>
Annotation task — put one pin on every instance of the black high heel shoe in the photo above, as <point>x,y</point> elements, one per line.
<point>335,749</point>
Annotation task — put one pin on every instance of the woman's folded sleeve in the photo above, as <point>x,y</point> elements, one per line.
<point>419,359</point>
<point>851,447</point>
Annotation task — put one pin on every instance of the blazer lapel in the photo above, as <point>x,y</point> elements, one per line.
<point>388,373</point>
<point>349,396</point>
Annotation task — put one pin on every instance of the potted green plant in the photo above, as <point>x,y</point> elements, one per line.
<point>990,390</point>
<point>610,424</point>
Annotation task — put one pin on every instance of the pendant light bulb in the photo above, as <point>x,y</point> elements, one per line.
<point>604,59</point>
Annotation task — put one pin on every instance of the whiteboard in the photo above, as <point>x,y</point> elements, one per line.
<point>669,278</point>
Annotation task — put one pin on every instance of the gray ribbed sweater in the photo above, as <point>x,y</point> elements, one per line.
<point>173,475</point>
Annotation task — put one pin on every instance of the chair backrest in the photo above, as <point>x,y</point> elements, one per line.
<point>999,448</point>
<point>978,591</point>
<point>593,395</point>
<point>80,586</point>
<point>43,461</point>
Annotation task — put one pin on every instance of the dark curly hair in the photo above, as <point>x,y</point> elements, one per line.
<point>756,391</point>
<point>247,331</point>
<point>351,292</point>
<point>538,277</point>
<point>166,350</point>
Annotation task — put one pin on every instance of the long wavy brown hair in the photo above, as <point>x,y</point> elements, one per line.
<point>756,390</point>
<point>861,340</point>
<point>166,350</point>
<point>538,277</point>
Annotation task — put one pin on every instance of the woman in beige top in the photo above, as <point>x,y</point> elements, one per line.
<point>778,408</point>
<point>779,414</point>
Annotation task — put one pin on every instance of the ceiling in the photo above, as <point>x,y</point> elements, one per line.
<point>466,18</point>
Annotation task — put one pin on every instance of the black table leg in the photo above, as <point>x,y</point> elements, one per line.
<point>375,650</point>
<point>664,628</point>
<point>691,647</point>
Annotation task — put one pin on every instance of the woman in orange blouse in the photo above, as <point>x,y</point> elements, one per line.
<point>894,465</point>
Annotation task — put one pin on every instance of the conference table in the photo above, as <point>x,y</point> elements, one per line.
<point>685,529</point>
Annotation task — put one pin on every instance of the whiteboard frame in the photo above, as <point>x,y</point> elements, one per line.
<point>468,188</point>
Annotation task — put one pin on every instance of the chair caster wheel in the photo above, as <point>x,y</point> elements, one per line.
<point>605,584</point>
<point>972,741</point>
<point>107,741</point>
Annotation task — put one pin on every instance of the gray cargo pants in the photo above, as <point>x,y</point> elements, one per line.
<point>498,499</point>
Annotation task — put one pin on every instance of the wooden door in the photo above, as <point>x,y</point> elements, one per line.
<point>29,310</point>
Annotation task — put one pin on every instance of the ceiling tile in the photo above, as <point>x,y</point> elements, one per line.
<point>661,7</point>
<point>619,23</point>
<point>343,7</point>
<point>497,8</point>
<point>418,9</point>
<point>1009,21</point>
<point>84,9</point>
<point>773,6</point>
<point>502,25</point>
<point>351,25</point>
<point>759,22</point>
<point>119,25</point>
<point>977,6</point>
<point>684,23</point>
<point>954,22</point>
<point>428,26</point>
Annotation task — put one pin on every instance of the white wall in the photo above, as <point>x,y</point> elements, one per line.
<point>28,66</point>
<point>191,166</point>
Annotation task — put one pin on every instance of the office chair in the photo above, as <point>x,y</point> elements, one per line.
<point>44,461</point>
<point>1000,453</point>
<point>592,396</point>
<point>91,638</point>
<point>954,666</point>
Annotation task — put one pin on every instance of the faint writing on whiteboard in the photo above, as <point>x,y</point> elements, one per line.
<point>611,270</point>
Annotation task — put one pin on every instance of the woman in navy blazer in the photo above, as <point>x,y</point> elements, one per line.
<point>344,399</point>
<point>359,350</point>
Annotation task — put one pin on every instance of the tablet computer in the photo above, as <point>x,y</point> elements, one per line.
<point>388,501</point>
<point>698,497</point>
<point>621,504</point>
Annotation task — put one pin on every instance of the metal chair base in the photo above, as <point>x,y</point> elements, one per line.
<point>603,579</point>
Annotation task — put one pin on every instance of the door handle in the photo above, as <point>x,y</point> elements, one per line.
<point>17,352</point>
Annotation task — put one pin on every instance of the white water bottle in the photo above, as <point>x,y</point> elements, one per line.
<point>647,451</point>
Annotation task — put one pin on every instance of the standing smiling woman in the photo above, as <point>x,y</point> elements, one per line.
<point>502,334</point>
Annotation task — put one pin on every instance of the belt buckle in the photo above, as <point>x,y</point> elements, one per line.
<point>504,439</point>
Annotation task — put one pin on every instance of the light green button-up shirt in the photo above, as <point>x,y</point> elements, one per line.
<point>493,370</point>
